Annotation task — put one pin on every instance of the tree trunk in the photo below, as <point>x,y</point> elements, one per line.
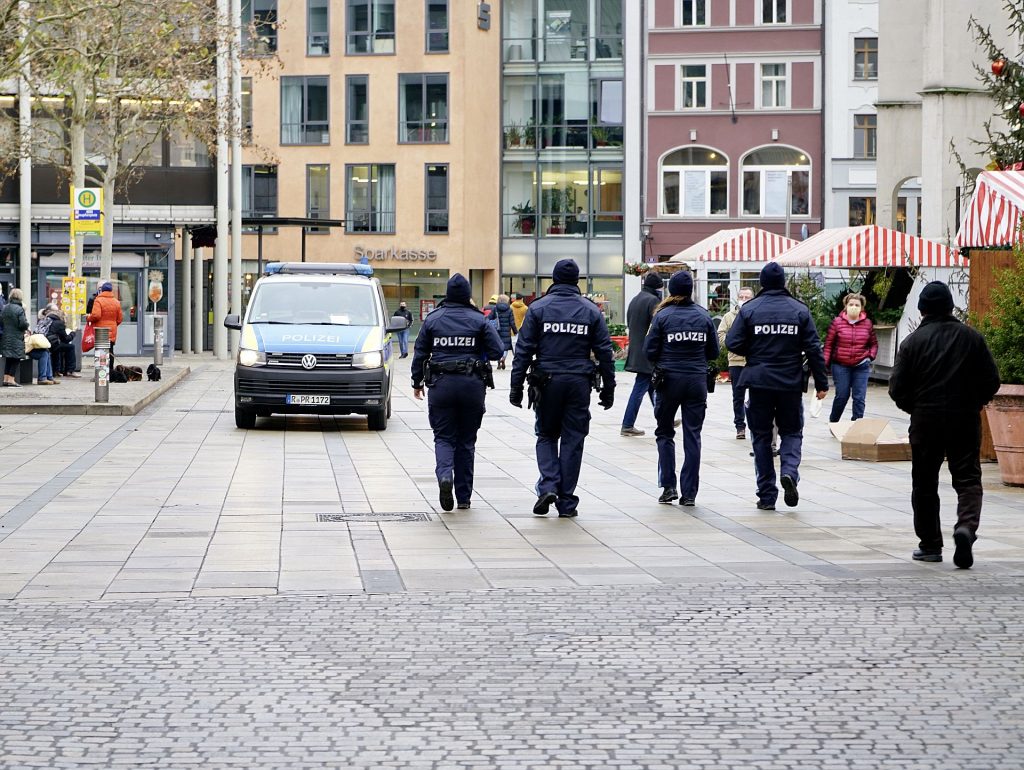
<point>107,247</point>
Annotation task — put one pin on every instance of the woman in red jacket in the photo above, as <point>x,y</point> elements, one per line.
<point>850,347</point>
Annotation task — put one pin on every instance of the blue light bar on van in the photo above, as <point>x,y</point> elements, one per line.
<point>318,268</point>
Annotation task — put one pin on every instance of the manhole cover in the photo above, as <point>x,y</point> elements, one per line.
<point>335,517</point>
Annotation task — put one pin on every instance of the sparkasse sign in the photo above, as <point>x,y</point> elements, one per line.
<point>395,253</point>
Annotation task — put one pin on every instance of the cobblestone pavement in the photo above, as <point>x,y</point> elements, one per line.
<point>868,673</point>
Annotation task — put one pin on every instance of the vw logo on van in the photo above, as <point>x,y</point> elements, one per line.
<point>308,361</point>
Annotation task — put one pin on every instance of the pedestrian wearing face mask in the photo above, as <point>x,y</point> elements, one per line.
<point>736,364</point>
<point>850,347</point>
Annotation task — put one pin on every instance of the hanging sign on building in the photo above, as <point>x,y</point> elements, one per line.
<point>87,210</point>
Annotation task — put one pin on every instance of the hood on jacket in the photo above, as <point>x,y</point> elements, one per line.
<point>518,303</point>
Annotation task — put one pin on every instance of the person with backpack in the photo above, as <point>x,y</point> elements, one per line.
<point>505,323</point>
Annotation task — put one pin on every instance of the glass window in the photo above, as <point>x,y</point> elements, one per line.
<point>318,29</point>
<point>862,211</point>
<point>518,109</point>
<point>695,183</point>
<point>773,85</point>
<point>608,43</point>
<point>519,196</point>
<point>318,194</point>
<point>563,198</point>
<point>304,111</point>
<point>357,109</point>
<point>865,136</point>
<point>695,86</point>
<point>766,176</point>
<point>694,13</point>
<point>606,203</point>
<point>719,300</point>
<point>519,30</point>
<point>370,199</point>
<point>901,214</point>
<point>259,193</point>
<point>774,11</point>
<point>187,151</point>
<point>246,110</point>
<point>564,110</point>
<point>437,26</point>
<point>606,113</point>
<point>143,146</point>
<point>865,58</point>
<point>48,144</point>
<point>436,198</point>
<point>259,27</point>
<point>371,26</point>
<point>317,302</point>
<point>424,108</point>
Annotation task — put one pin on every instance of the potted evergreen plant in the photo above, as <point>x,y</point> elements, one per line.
<point>1003,327</point>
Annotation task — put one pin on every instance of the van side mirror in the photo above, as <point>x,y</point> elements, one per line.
<point>233,322</point>
<point>397,324</point>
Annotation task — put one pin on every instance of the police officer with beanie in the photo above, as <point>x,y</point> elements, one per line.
<point>450,357</point>
<point>944,375</point>
<point>681,342</point>
<point>560,331</point>
<point>775,331</point>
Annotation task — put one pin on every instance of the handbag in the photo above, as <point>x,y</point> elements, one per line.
<point>36,342</point>
<point>88,337</point>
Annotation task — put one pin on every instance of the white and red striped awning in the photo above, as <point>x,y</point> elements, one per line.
<point>993,215</point>
<point>749,244</point>
<point>869,246</point>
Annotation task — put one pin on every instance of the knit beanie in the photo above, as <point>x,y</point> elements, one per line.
<point>458,289</point>
<point>936,299</point>
<point>773,276</point>
<point>681,284</point>
<point>566,271</point>
<point>653,281</point>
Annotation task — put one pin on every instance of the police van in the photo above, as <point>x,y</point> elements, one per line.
<point>316,339</point>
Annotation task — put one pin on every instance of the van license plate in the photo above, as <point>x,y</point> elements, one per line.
<point>309,400</point>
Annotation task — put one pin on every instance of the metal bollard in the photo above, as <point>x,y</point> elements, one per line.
<point>158,340</point>
<point>101,364</point>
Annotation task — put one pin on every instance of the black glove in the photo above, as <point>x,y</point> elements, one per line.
<point>607,398</point>
<point>515,397</point>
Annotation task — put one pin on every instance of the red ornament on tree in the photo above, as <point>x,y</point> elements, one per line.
<point>998,67</point>
<point>1020,110</point>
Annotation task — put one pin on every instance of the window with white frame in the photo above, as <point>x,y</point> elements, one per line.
<point>774,11</point>
<point>695,183</point>
<point>767,173</point>
<point>695,86</point>
<point>773,86</point>
<point>694,13</point>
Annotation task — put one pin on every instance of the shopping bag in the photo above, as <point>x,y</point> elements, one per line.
<point>88,337</point>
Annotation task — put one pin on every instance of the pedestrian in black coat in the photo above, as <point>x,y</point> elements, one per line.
<point>638,319</point>
<point>944,375</point>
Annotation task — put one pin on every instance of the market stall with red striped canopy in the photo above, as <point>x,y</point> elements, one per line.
<point>993,216</point>
<point>729,259</point>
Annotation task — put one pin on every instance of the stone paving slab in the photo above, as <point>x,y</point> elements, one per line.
<point>867,674</point>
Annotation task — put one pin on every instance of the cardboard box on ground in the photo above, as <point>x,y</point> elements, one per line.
<point>872,440</point>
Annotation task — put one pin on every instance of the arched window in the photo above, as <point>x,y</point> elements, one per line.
<point>766,172</point>
<point>695,183</point>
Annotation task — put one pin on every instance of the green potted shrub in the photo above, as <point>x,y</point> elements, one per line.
<point>1003,327</point>
<point>526,219</point>
<point>513,136</point>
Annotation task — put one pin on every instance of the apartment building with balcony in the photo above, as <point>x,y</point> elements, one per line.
<point>733,133</point>
<point>387,116</point>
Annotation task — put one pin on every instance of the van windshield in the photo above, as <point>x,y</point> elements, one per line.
<point>331,304</point>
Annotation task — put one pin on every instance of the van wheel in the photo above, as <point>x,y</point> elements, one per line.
<point>377,420</point>
<point>245,418</point>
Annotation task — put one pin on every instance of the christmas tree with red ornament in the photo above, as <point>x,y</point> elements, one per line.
<point>1003,77</point>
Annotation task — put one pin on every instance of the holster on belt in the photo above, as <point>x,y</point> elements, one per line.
<point>712,376</point>
<point>537,380</point>
<point>658,378</point>
<point>484,371</point>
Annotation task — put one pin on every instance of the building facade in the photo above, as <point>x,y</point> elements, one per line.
<point>562,139</point>
<point>389,121</point>
<point>733,120</point>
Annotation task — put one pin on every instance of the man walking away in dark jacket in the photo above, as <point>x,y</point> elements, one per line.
<point>944,375</point>
<point>638,318</point>
<point>403,336</point>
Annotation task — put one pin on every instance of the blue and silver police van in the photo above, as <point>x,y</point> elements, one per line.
<point>315,339</point>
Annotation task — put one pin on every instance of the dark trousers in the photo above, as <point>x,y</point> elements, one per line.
<point>768,409</point>
<point>563,422</point>
<point>688,393</point>
<point>955,438</point>
<point>739,395</point>
<point>63,358</point>
<point>641,387</point>
<point>455,407</point>
<point>11,366</point>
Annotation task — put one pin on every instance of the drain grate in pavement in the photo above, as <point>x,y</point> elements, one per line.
<point>375,517</point>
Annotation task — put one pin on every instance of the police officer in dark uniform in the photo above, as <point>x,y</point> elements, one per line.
<point>450,357</point>
<point>775,331</point>
<point>560,331</point>
<point>681,341</point>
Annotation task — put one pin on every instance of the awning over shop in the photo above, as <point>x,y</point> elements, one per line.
<point>869,246</point>
<point>993,215</point>
<point>748,244</point>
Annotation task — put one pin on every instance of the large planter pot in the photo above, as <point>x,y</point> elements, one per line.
<point>1006,419</point>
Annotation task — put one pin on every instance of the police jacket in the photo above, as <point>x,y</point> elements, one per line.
<point>638,318</point>
<point>943,367</point>
<point>772,331</point>
<point>453,332</point>
<point>560,331</point>
<point>682,339</point>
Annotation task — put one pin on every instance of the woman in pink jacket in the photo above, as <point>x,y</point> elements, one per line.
<point>850,347</point>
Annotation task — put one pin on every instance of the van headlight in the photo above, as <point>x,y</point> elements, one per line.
<point>371,360</point>
<point>247,357</point>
